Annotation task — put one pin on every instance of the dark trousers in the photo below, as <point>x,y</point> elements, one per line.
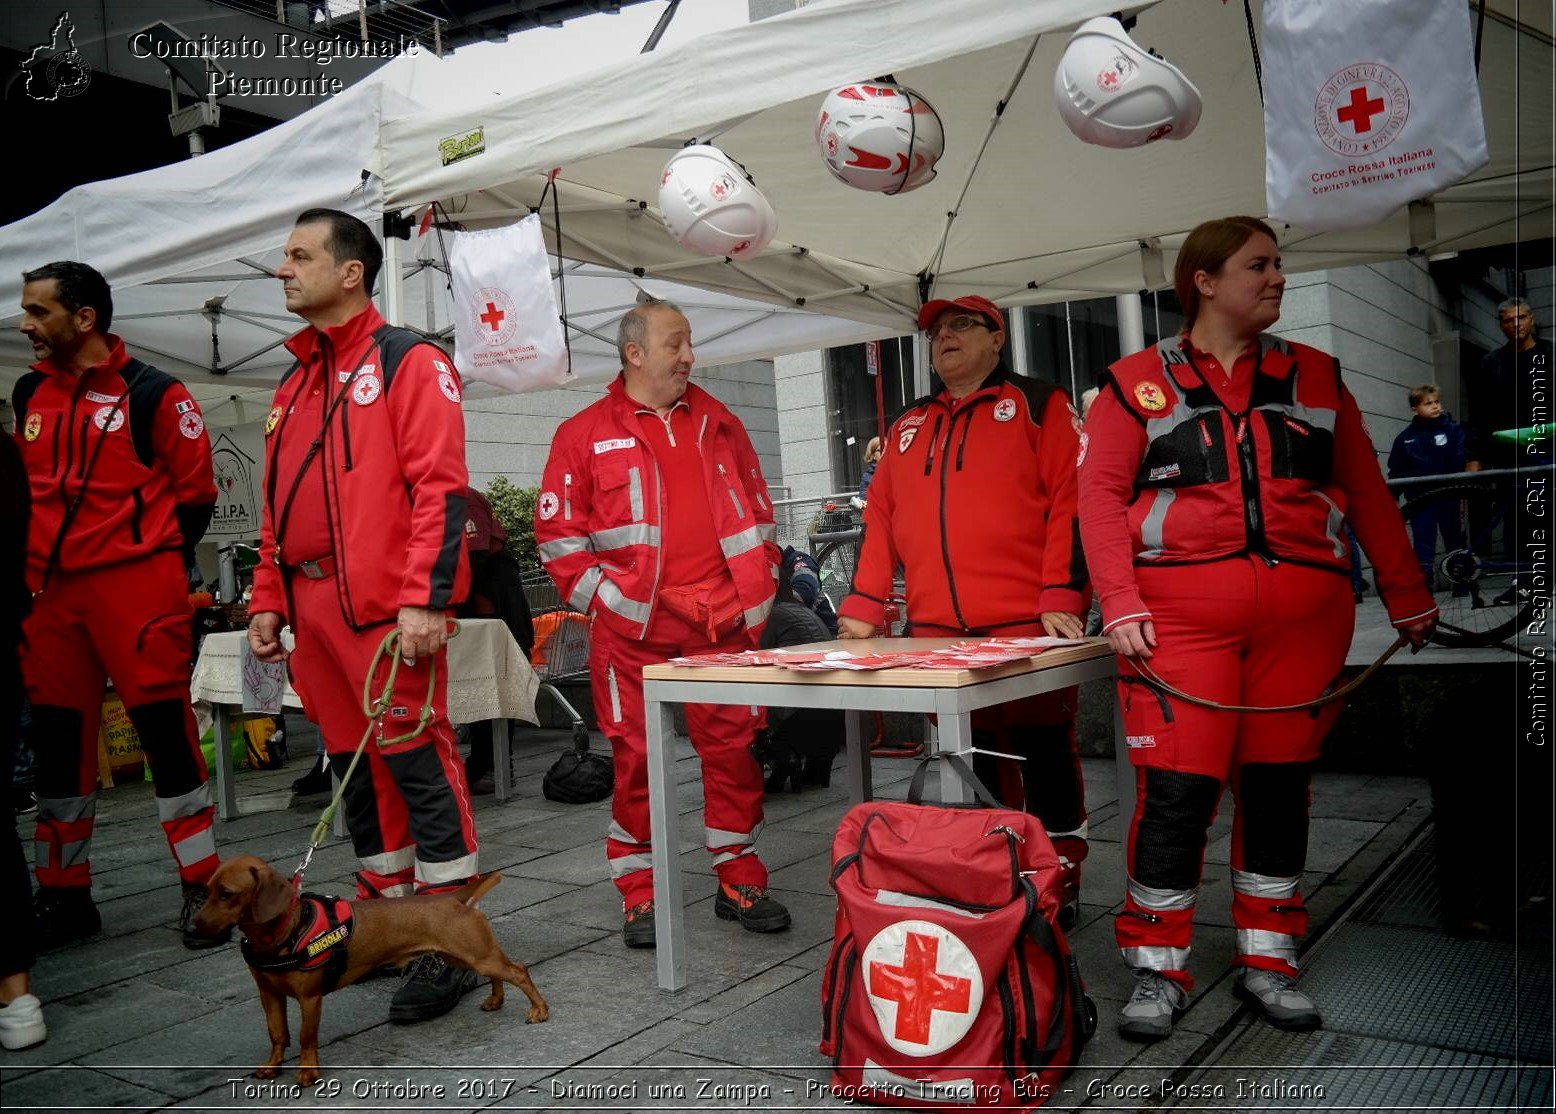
<point>15,878</point>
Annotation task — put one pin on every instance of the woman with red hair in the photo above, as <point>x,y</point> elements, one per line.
<point>1220,470</point>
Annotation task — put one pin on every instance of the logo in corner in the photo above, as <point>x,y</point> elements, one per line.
<point>548,505</point>
<point>55,69</point>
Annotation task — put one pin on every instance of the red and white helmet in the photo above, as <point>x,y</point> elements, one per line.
<point>1113,94</point>
<point>881,138</point>
<point>711,205</point>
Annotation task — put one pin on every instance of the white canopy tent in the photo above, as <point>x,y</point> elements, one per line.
<point>1021,211</point>
<point>189,248</point>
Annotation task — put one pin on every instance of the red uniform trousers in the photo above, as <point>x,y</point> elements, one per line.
<point>720,733</point>
<point>1047,781</point>
<point>133,623</point>
<point>1237,632</point>
<point>407,805</point>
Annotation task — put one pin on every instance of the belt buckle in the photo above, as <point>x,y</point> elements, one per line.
<point>311,569</point>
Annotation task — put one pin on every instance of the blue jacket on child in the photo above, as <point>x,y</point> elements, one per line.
<point>1428,448</point>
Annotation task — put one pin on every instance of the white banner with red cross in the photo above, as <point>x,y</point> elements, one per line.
<point>1367,106</point>
<point>508,330</point>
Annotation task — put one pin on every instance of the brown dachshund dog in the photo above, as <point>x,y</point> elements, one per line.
<point>247,892</point>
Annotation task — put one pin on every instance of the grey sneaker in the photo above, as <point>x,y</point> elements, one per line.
<point>1156,1003</point>
<point>1276,996</point>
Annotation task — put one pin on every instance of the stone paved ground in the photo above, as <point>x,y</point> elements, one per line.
<point>137,1022</point>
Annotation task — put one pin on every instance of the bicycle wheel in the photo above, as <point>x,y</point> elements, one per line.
<point>1480,586</point>
<point>838,560</point>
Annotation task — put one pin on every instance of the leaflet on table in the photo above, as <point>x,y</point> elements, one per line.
<point>961,655</point>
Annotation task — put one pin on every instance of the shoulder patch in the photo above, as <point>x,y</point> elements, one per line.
<point>1150,396</point>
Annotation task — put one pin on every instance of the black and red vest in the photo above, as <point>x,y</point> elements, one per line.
<point>1215,483</point>
<point>319,940</point>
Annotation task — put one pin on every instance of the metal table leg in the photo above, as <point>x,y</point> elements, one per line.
<point>955,738</point>
<point>859,787</point>
<point>664,824</point>
<point>226,791</point>
<point>502,772</point>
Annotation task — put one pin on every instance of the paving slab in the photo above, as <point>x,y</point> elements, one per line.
<point>85,1089</point>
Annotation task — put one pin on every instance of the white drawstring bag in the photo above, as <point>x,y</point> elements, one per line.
<point>1368,105</point>
<point>508,330</point>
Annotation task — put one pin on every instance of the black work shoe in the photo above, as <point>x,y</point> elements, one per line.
<point>637,928</point>
<point>194,901</point>
<point>316,780</point>
<point>64,913</point>
<point>755,908</point>
<point>431,987</point>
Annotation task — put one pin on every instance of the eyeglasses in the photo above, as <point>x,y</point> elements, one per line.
<point>958,324</point>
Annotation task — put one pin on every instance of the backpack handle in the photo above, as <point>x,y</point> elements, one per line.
<point>963,770</point>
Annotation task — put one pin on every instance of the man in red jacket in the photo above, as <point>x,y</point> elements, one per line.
<point>363,531</point>
<point>653,518</point>
<point>974,497</point>
<point>122,489</point>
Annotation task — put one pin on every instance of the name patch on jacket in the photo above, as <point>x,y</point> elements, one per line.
<point>98,396</point>
<point>616,443</point>
<point>1165,472</point>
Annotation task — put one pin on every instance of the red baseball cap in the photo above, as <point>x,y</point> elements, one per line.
<point>972,303</point>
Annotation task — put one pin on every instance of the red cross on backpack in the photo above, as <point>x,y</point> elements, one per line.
<point>949,982</point>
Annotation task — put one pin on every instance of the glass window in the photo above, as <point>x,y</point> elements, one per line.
<point>851,409</point>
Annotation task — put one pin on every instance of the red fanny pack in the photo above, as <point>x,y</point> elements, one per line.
<point>712,606</point>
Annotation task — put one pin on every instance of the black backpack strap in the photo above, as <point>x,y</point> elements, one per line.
<point>393,345</point>
<point>22,393</point>
<point>963,771</point>
<point>147,386</point>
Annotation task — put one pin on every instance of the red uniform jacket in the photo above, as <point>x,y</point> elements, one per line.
<point>599,515</point>
<point>1172,476</point>
<point>147,490</point>
<point>394,475</point>
<point>976,502</point>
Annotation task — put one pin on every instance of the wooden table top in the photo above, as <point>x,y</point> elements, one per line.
<point>900,677</point>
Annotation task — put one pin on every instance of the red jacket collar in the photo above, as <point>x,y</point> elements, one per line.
<point>696,400</point>
<point>991,385</point>
<point>118,357</point>
<point>1267,360</point>
<point>342,338</point>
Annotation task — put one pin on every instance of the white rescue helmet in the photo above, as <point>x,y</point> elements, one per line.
<point>1113,94</point>
<point>882,138</point>
<point>711,205</point>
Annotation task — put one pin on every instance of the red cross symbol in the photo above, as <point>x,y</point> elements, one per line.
<point>1360,111</point>
<point>918,989</point>
<point>493,316</point>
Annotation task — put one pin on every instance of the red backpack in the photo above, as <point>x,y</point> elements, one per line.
<point>949,982</point>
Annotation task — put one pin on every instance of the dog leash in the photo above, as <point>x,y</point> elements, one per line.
<point>1149,677</point>
<point>374,708</point>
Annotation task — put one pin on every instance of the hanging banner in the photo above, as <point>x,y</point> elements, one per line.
<point>1367,107</point>
<point>507,328</point>
<point>236,514</point>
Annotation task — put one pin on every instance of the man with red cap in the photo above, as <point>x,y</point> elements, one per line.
<point>974,497</point>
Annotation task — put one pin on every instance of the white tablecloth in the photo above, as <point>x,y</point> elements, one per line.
<point>488,675</point>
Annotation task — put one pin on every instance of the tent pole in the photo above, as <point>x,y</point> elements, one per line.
<point>394,281</point>
<point>1131,323</point>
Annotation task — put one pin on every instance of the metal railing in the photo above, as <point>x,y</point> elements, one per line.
<point>797,519</point>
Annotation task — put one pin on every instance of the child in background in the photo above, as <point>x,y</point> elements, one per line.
<point>1431,445</point>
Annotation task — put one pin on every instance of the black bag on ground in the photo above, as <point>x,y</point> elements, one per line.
<point>579,776</point>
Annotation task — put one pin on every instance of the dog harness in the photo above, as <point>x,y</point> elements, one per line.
<point>318,941</point>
